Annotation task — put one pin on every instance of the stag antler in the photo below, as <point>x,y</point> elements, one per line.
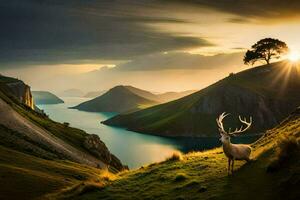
<point>241,129</point>
<point>236,131</point>
<point>220,121</point>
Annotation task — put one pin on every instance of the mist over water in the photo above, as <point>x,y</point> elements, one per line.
<point>133,149</point>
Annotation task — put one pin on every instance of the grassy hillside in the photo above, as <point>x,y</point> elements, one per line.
<point>273,173</point>
<point>76,138</point>
<point>267,93</point>
<point>29,168</point>
<point>24,176</point>
<point>118,99</point>
<point>44,97</point>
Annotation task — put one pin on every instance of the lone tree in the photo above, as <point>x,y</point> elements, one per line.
<point>265,49</point>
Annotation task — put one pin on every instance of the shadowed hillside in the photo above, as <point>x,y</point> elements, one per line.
<point>267,93</point>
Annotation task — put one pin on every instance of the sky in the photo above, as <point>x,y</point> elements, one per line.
<point>158,45</point>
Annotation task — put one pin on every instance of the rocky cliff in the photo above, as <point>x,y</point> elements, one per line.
<point>22,92</point>
<point>17,89</point>
<point>94,145</point>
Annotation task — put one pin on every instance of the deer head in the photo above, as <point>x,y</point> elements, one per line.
<point>225,135</point>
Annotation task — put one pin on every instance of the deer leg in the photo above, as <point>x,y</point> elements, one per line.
<point>232,164</point>
<point>228,168</point>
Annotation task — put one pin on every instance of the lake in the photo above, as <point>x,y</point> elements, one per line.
<point>133,149</point>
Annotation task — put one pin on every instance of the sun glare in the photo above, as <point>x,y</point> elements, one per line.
<point>294,56</point>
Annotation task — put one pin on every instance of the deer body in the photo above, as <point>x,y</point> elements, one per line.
<point>237,151</point>
<point>234,151</point>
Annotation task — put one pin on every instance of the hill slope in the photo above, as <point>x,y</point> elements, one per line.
<point>39,155</point>
<point>273,173</point>
<point>267,93</point>
<point>118,99</point>
<point>44,97</point>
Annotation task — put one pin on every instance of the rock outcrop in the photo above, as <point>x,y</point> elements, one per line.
<point>96,147</point>
<point>22,92</point>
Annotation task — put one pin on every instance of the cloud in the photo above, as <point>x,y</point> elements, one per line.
<point>74,30</point>
<point>267,9</point>
<point>182,61</point>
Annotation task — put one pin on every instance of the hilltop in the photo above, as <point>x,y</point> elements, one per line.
<point>273,173</point>
<point>118,99</point>
<point>45,97</point>
<point>268,93</point>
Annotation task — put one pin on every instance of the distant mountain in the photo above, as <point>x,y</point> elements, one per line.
<point>170,96</point>
<point>163,97</point>
<point>44,97</point>
<point>118,99</point>
<point>94,94</point>
<point>267,93</point>
<point>72,93</point>
<point>143,93</point>
<point>127,99</point>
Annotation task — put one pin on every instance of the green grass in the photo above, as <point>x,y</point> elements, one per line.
<point>203,175</point>
<point>23,176</point>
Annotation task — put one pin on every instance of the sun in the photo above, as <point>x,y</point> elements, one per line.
<point>294,56</point>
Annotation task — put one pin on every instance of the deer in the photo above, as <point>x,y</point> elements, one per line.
<point>234,151</point>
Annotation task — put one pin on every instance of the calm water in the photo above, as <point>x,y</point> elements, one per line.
<point>133,149</point>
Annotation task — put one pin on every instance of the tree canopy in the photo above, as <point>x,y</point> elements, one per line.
<point>265,49</point>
